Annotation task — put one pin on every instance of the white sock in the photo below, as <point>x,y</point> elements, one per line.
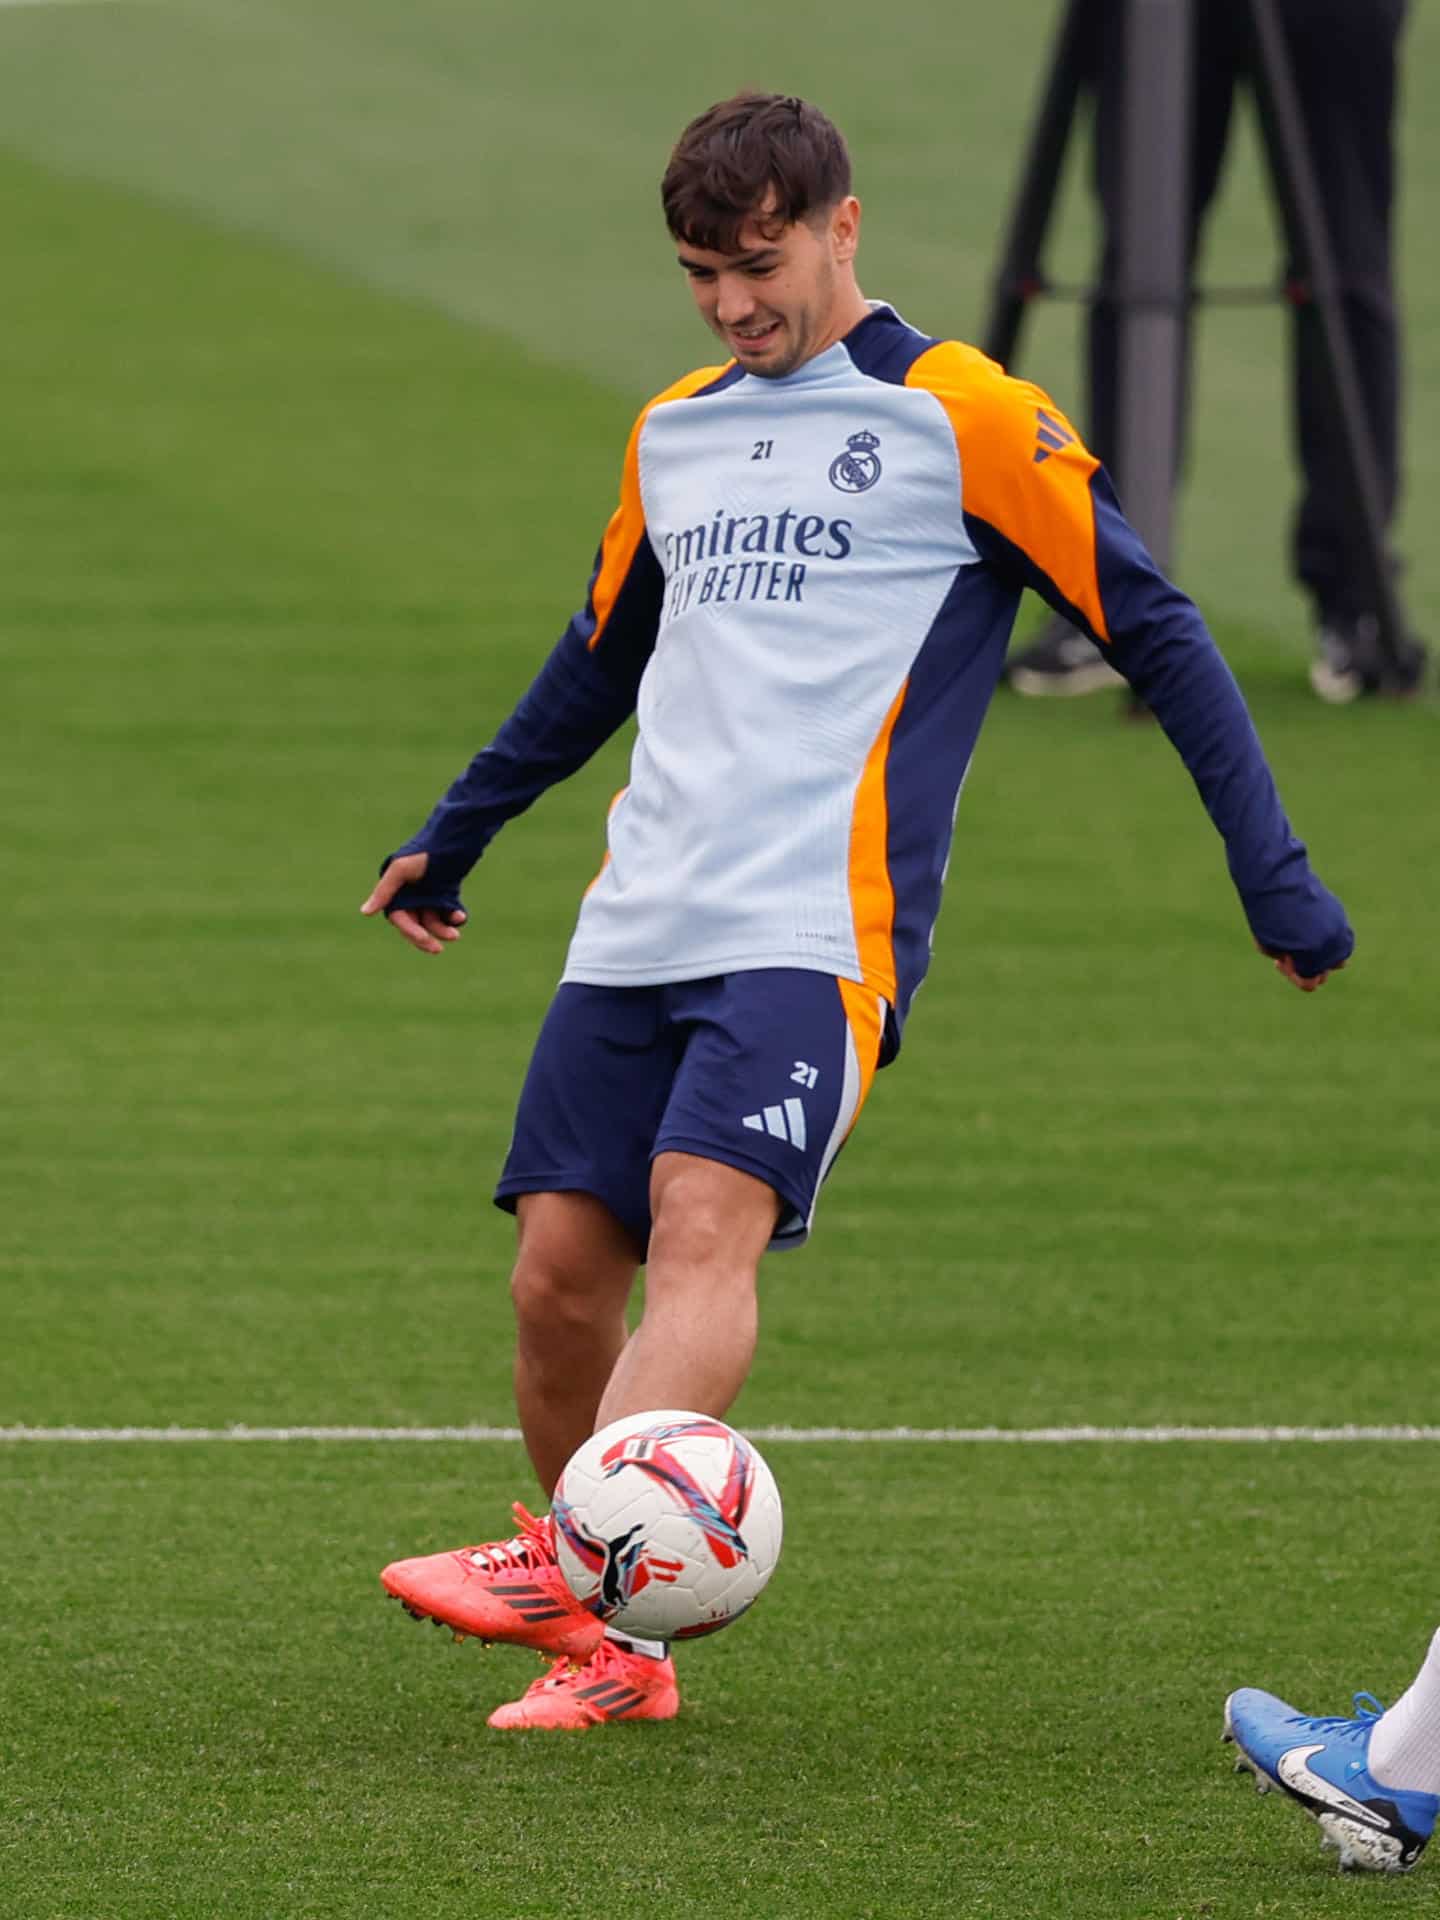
<point>652,1649</point>
<point>1405,1746</point>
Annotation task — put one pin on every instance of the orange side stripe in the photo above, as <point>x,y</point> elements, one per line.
<point>1044,507</point>
<point>627,524</point>
<point>605,859</point>
<point>866,1022</point>
<point>872,897</point>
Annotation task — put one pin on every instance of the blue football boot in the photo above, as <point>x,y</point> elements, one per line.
<point>1322,1763</point>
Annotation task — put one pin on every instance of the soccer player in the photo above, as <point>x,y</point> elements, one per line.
<point>1371,1780</point>
<point>804,595</point>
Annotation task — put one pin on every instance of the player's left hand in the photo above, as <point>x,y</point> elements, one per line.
<point>1284,964</point>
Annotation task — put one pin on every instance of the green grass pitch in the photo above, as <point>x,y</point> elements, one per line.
<point>316,376</point>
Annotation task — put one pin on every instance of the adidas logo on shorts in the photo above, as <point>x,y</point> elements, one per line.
<point>782,1123</point>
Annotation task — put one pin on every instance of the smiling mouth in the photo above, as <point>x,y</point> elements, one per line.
<point>752,337</point>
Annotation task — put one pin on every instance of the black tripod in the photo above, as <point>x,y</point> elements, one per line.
<point>1152,294</point>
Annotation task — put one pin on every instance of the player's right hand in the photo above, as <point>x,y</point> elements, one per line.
<point>1307,983</point>
<point>426,928</point>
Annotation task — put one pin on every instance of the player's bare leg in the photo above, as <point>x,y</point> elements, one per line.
<point>692,1349</point>
<point>696,1339</point>
<point>573,1275</point>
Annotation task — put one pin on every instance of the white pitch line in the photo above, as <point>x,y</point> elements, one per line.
<point>799,1436</point>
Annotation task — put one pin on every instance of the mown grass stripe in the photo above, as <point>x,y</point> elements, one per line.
<point>799,1436</point>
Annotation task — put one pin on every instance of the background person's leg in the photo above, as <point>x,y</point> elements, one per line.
<point>1063,660</point>
<point>1344,56</point>
<point>1217,54</point>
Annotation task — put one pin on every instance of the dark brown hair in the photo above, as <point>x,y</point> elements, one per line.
<point>739,153</point>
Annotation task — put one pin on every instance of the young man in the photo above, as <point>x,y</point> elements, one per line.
<point>805,595</point>
<point>1371,1780</point>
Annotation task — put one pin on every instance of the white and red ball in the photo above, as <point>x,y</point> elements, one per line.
<point>667,1524</point>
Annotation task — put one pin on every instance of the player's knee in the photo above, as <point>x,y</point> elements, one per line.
<point>554,1294</point>
<point>574,1267</point>
<point>698,1247</point>
<point>711,1224</point>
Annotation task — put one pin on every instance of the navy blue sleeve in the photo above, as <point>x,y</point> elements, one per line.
<point>1158,640</point>
<point>582,694</point>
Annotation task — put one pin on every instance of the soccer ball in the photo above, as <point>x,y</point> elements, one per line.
<point>667,1524</point>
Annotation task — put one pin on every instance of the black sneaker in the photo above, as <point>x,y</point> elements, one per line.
<point>1349,661</point>
<point>1062,661</point>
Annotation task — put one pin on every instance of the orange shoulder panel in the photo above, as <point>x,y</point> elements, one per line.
<point>627,524</point>
<point>1024,469</point>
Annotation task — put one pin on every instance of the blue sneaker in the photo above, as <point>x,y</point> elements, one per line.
<point>1322,1764</point>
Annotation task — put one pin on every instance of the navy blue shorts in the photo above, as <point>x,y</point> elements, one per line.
<point>764,1071</point>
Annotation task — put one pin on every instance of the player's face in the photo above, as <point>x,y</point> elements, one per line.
<point>782,296</point>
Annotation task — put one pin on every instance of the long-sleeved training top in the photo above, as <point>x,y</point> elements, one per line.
<point>805,595</point>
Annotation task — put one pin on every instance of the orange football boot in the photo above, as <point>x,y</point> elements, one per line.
<point>611,1685</point>
<point>511,1590</point>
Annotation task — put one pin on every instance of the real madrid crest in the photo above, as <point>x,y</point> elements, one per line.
<point>858,468</point>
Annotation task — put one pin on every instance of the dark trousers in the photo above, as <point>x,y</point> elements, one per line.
<point>1344,57</point>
